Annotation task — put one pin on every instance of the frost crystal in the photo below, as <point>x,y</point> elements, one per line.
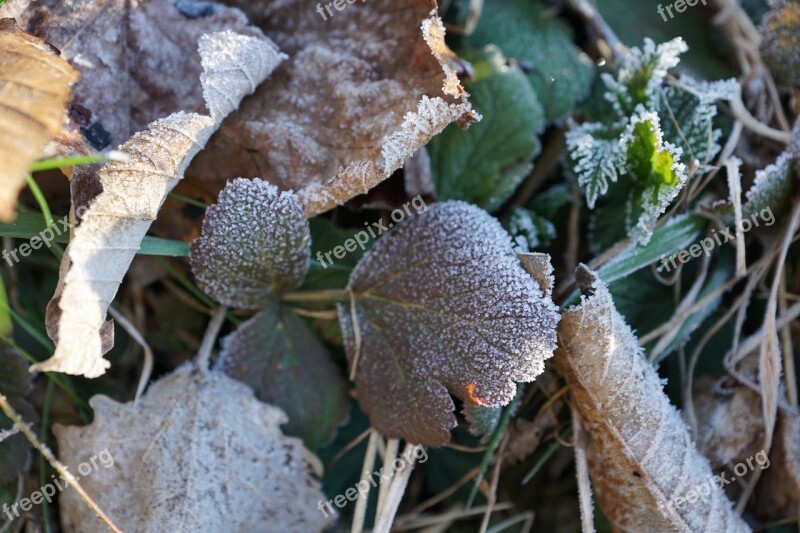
<point>443,303</point>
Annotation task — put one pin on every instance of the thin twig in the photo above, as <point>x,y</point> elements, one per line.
<point>57,465</point>
<point>363,497</point>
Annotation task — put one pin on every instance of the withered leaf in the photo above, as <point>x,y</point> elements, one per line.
<point>285,363</point>
<point>641,457</point>
<point>255,242</point>
<point>34,89</point>
<point>360,93</point>
<point>135,58</point>
<point>197,453</point>
<point>110,232</point>
<point>442,303</point>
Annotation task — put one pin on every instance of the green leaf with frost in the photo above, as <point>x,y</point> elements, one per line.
<point>593,159</point>
<point>284,362</point>
<point>486,163</point>
<point>640,75</point>
<point>687,117</point>
<point>527,31</point>
<point>529,230</point>
<point>772,188</point>
<point>652,168</point>
<point>254,243</point>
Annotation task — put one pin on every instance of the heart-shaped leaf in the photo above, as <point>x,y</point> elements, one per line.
<point>275,353</point>
<point>442,303</point>
<point>255,242</point>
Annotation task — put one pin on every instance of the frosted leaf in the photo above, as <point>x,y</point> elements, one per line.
<point>34,89</point>
<point>593,159</point>
<point>694,112</point>
<point>360,93</point>
<point>15,385</point>
<point>655,171</point>
<point>641,456</point>
<point>135,58</point>
<point>277,355</point>
<point>780,41</point>
<point>112,229</point>
<point>772,187</point>
<point>197,453</point>
<point>482,420</point>
<point>529,230</point>
<point>255,243</point>
<point>442,304</point>
<point>640,74</point>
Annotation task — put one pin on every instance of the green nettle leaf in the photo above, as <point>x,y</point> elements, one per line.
<point>442,303</point>
<point>15,383</point>
<point>254,243</point>
<point>593,159</point>
<point>687,118</point>
<point>640,75</point>
<point>654,170</point>
<point>526,31</point>
<point>780,31</point>
<point>277,355</point>
<point>529,230</point>
<point>485,163</point>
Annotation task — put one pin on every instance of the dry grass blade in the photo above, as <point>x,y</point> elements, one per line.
<point>34,89</point>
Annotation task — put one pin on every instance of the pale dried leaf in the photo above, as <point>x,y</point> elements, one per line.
<point>34,89</point>
<point>641,456</point>
<point>197,453</point>
<point>135,58</point>
<point>442,304</point>
<point>359,95</point>
<point>110,233</point>
<point>255,242</point>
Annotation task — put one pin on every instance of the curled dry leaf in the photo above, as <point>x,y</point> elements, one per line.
<point>110,232</point>
<point>134,57</point>
<point>197,453</point>
<point>641,457</point>
<point>286,364</point>
<point>34,89</point>
<point>361,92</point>
<point>441,303</point>
<point>255,242</point>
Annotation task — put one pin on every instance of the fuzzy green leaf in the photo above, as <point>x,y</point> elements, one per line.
<point>526,31</point>
<point>485,163</point>
<point>254,243</point>
<point>442,304</point>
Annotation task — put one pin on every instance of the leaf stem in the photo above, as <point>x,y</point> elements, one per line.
<point>322,296</point>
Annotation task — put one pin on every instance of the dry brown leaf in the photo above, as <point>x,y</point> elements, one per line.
<point>641,457</point>
<point>34,89</point>
<point>198,452</point>
<point>110,233</point>
<point>360,94</point>
<point>731,431</point>
<point>135,58</point>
